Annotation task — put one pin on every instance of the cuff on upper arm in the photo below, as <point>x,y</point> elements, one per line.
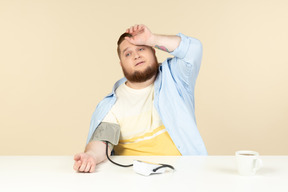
<point>107,132</point>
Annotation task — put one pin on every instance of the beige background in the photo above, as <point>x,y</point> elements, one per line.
<point>58,60</point>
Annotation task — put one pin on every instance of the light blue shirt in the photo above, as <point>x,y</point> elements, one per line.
<point>173,97</point>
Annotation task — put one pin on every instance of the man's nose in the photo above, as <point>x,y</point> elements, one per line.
<point>136,55</point>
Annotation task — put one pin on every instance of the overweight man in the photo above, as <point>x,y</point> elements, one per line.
<point>151,111</point>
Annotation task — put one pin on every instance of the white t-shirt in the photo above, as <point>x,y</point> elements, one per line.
<point>142,131</point>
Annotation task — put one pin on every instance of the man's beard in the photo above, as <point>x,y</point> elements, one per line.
<point>139,77</point>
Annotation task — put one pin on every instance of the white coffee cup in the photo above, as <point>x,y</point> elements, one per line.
<point>248,162</point>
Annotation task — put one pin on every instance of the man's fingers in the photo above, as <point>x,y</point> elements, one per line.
<point>77,157</point>
<point>129,30</point>
<point>88,166</point>
<point>76,166</point>
<point>130,40</point>
<point>84,163</point>
<point>135,28</point>
<point>83,166</point>
<point>92,167</point>
<point>141,27</point>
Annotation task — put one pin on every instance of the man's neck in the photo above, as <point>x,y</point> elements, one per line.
<point>142,85</point>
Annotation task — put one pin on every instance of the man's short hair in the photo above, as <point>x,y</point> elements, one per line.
<point>120,40</point>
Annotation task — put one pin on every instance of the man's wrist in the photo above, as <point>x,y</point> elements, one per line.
<point>91,153</point>
<point>152,40</point>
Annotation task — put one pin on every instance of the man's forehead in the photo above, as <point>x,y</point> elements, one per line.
<point>126,45</point>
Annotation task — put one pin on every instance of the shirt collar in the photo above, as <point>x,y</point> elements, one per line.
<point>116,85</point>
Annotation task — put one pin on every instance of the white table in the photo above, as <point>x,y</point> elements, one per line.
<point>193,173</point>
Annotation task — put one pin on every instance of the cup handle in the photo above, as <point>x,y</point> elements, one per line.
<point>257,164</point>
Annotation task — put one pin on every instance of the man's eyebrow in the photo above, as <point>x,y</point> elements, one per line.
<point>125,49</point>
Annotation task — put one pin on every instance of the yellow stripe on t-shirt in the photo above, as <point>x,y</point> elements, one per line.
<point>155,132</point>
<point>157,142</point>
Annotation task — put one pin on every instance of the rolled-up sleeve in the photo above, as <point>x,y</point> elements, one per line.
<point>187,59</point>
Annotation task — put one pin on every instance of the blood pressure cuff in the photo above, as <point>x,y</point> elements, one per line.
<point>107,132</point>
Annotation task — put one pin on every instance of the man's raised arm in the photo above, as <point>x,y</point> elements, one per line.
<point>141,35</point>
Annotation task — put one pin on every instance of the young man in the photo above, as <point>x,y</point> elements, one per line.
<point>151,111</point>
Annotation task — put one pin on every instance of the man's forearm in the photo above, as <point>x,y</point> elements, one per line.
<point>166,43</point>
<point>141,35</point>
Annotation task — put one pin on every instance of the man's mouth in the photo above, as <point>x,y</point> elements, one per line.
<point>139,63</point>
